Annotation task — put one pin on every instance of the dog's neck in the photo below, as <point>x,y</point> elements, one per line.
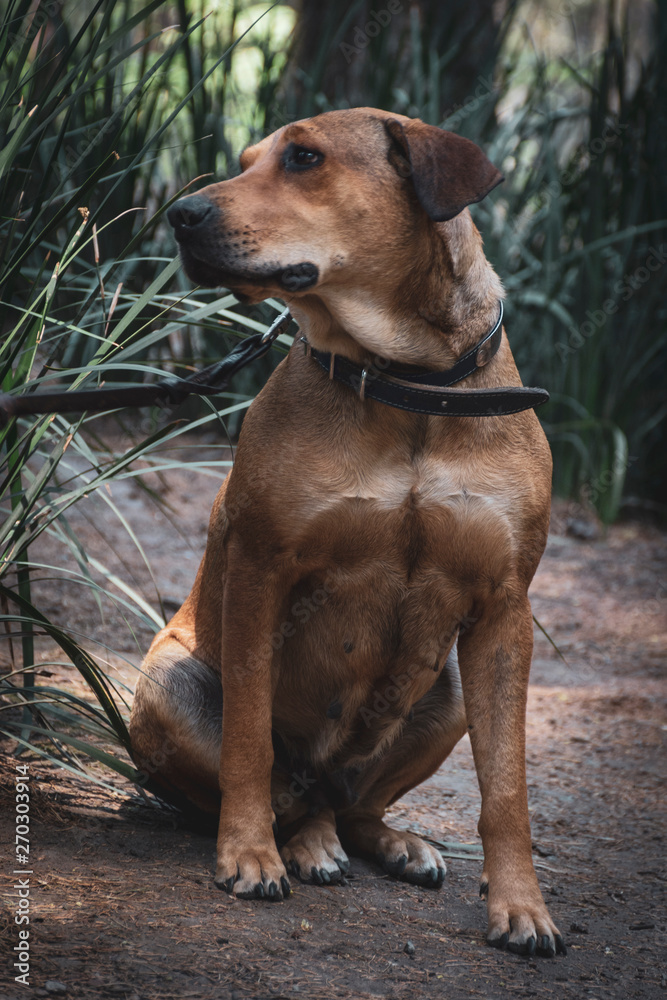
<point>423,319</point>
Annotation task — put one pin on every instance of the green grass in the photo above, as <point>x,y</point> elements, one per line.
<point>88,294</point>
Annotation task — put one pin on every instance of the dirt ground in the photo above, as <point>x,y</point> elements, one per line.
<point>123,903</point>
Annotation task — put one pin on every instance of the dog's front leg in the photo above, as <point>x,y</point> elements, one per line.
<point>494,659</point>
<point>248,862</point>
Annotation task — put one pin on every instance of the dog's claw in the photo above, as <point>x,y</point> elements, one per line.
<point>431,878</point>
<point>286,887</point>
<point>545,947</point>
<point>257,892</point>
<point>343,864</point>
<point>501,942</point>
<point>395,868</point>
<point>560,945</point>
<point>523,947</point>
<point>227,885</point>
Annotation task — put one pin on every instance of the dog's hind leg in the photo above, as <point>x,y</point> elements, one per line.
<point>437,725</point>
<point>176,725</point>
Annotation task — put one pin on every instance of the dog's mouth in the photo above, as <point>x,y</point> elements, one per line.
<point>289,277</point>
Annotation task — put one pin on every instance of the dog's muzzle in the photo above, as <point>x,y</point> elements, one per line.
<point>195,221</point>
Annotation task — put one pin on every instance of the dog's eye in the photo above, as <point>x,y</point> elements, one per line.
<point>299,158</point>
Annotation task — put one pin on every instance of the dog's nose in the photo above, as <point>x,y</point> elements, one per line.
<point>189,212</point>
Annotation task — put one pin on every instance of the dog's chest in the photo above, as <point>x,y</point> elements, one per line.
<point>404,553</point>
<point>417,515</point>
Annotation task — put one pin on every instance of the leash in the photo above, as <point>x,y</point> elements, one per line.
<point>419,391</point>
<point>172,389</point>
<point>424,391</point>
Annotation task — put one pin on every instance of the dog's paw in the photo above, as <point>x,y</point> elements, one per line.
<point>523,926</point>
<point>252,874</point>
<point>408,857</point>
<point>314,854</point>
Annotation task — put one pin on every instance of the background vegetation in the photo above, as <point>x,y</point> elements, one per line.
<point>110,109</point>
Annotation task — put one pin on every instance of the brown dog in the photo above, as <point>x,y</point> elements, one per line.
<point>356,548</point>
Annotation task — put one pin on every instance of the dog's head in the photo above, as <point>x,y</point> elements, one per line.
<point>331,201</point>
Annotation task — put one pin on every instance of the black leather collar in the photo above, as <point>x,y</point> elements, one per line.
<point>425,391</point>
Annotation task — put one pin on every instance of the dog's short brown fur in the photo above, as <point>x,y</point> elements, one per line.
<point>363,595</point>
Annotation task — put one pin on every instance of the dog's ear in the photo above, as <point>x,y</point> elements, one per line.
<point>448,171</point>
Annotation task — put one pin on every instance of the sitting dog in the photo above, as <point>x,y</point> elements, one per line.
<point>362,601</point>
